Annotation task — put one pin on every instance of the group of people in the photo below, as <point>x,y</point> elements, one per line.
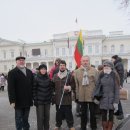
<point>42,89</point>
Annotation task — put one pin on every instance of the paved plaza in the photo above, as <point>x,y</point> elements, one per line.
<point>7,115</point>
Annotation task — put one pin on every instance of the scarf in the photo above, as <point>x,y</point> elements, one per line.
<point>85,80</point>
<point>61,75</point>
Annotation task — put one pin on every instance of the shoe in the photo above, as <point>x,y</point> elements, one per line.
<point>72,128</point>
<point>57,128</point>
<point>120,117</point>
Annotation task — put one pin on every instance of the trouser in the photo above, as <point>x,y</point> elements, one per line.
<point>107,113</point>
<point>120,110</point>
<point>77,108</point>
<point>43,116</point>
<point>84,115</point>
<point>66,111</point>
<point>21,118</point>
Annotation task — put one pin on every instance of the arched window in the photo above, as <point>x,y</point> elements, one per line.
<point>112,49</point>
<point>121,48</point>
<point>105,49</point>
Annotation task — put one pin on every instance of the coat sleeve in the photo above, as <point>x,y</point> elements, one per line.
<point>76,86</point>
<point>51,72</point>
<point>117,87</point>
<point>11,87</point>
<point>35,85</point>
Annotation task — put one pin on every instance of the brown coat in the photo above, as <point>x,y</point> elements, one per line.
<point>59,85</point>
<point>84,93</point>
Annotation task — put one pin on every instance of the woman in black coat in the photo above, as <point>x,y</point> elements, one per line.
<point>42,94</point>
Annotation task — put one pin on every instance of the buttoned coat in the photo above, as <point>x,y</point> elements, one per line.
<point>84,93</point>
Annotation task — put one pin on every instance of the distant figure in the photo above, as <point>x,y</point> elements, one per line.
<point>2,82</point>
<point>20,84</point>
<point>118,65</point>
<point>55,68</point>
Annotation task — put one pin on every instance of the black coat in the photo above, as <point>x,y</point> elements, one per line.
<point>120,69</point>
<point>20,88</point>
<point>42,89</point>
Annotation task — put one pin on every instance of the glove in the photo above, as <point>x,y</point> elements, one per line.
<point>115,105</point>
<point>96,101</point>
<point>12,105</point>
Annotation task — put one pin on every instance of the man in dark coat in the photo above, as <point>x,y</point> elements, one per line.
<point>20,83</point>
<point>120,70</point>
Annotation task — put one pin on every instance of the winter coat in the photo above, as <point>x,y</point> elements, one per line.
<point>42,89</point>
<point>53,71</point>
<point>110,90</point>
<point>84,93</point>
<point>120,69</point>
<point>59,85</point>
<point>20,88</point>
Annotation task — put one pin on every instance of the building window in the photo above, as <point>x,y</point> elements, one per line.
<point>5,67</point>
<point>70,51</point>
<point>4,54</point>
<point>89,49</point>
<point>36,52</point>
<point>96,49</point>
<point>70,65</point>
<point>112,49</point>
<point>20,53</point>
<point>121,48</point>
<point>57,51</point>
<point>46,52</point>
<point>63,51</point>
<point>12,54</point>
<point>105,49</point>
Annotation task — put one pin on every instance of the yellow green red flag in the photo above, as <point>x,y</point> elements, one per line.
<point>79,49</point>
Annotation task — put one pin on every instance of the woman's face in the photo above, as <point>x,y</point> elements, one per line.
<point>43,71</point>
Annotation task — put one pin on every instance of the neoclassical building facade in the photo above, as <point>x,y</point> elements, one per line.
<point>97,45</point>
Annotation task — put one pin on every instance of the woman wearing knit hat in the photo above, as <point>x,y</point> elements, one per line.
<point>42,93</point>
<point>108,82</point>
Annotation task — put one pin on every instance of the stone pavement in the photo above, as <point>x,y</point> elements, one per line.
<point>7,114</point>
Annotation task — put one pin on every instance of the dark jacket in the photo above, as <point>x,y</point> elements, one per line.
<point>110,90</point>
<point>59,85</point>
<point>20,88</point>
<point>42,89</point>
<point>120,69</point>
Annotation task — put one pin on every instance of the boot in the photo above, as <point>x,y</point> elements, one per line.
<point>57,128</point>
<point>105,125</point>
<point>72,128</point>
<point>110,125</point>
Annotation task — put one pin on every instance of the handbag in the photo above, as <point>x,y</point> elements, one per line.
<point>123,94</point>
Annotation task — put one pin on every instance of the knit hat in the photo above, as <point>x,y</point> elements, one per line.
<point>42,66</point>
<point>20,57</point>
<point>115,57</point>
<point>108,63</point>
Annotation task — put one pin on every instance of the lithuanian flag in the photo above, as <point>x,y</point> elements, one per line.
<point>79,49</point>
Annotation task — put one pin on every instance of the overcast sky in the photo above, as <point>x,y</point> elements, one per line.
<point>38,20</point>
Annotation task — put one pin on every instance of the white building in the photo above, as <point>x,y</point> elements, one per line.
<point>98,46</point>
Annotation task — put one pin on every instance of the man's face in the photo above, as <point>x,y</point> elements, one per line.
<point>85,61</point>
<point>20,63</point>
<point>62,67</point>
